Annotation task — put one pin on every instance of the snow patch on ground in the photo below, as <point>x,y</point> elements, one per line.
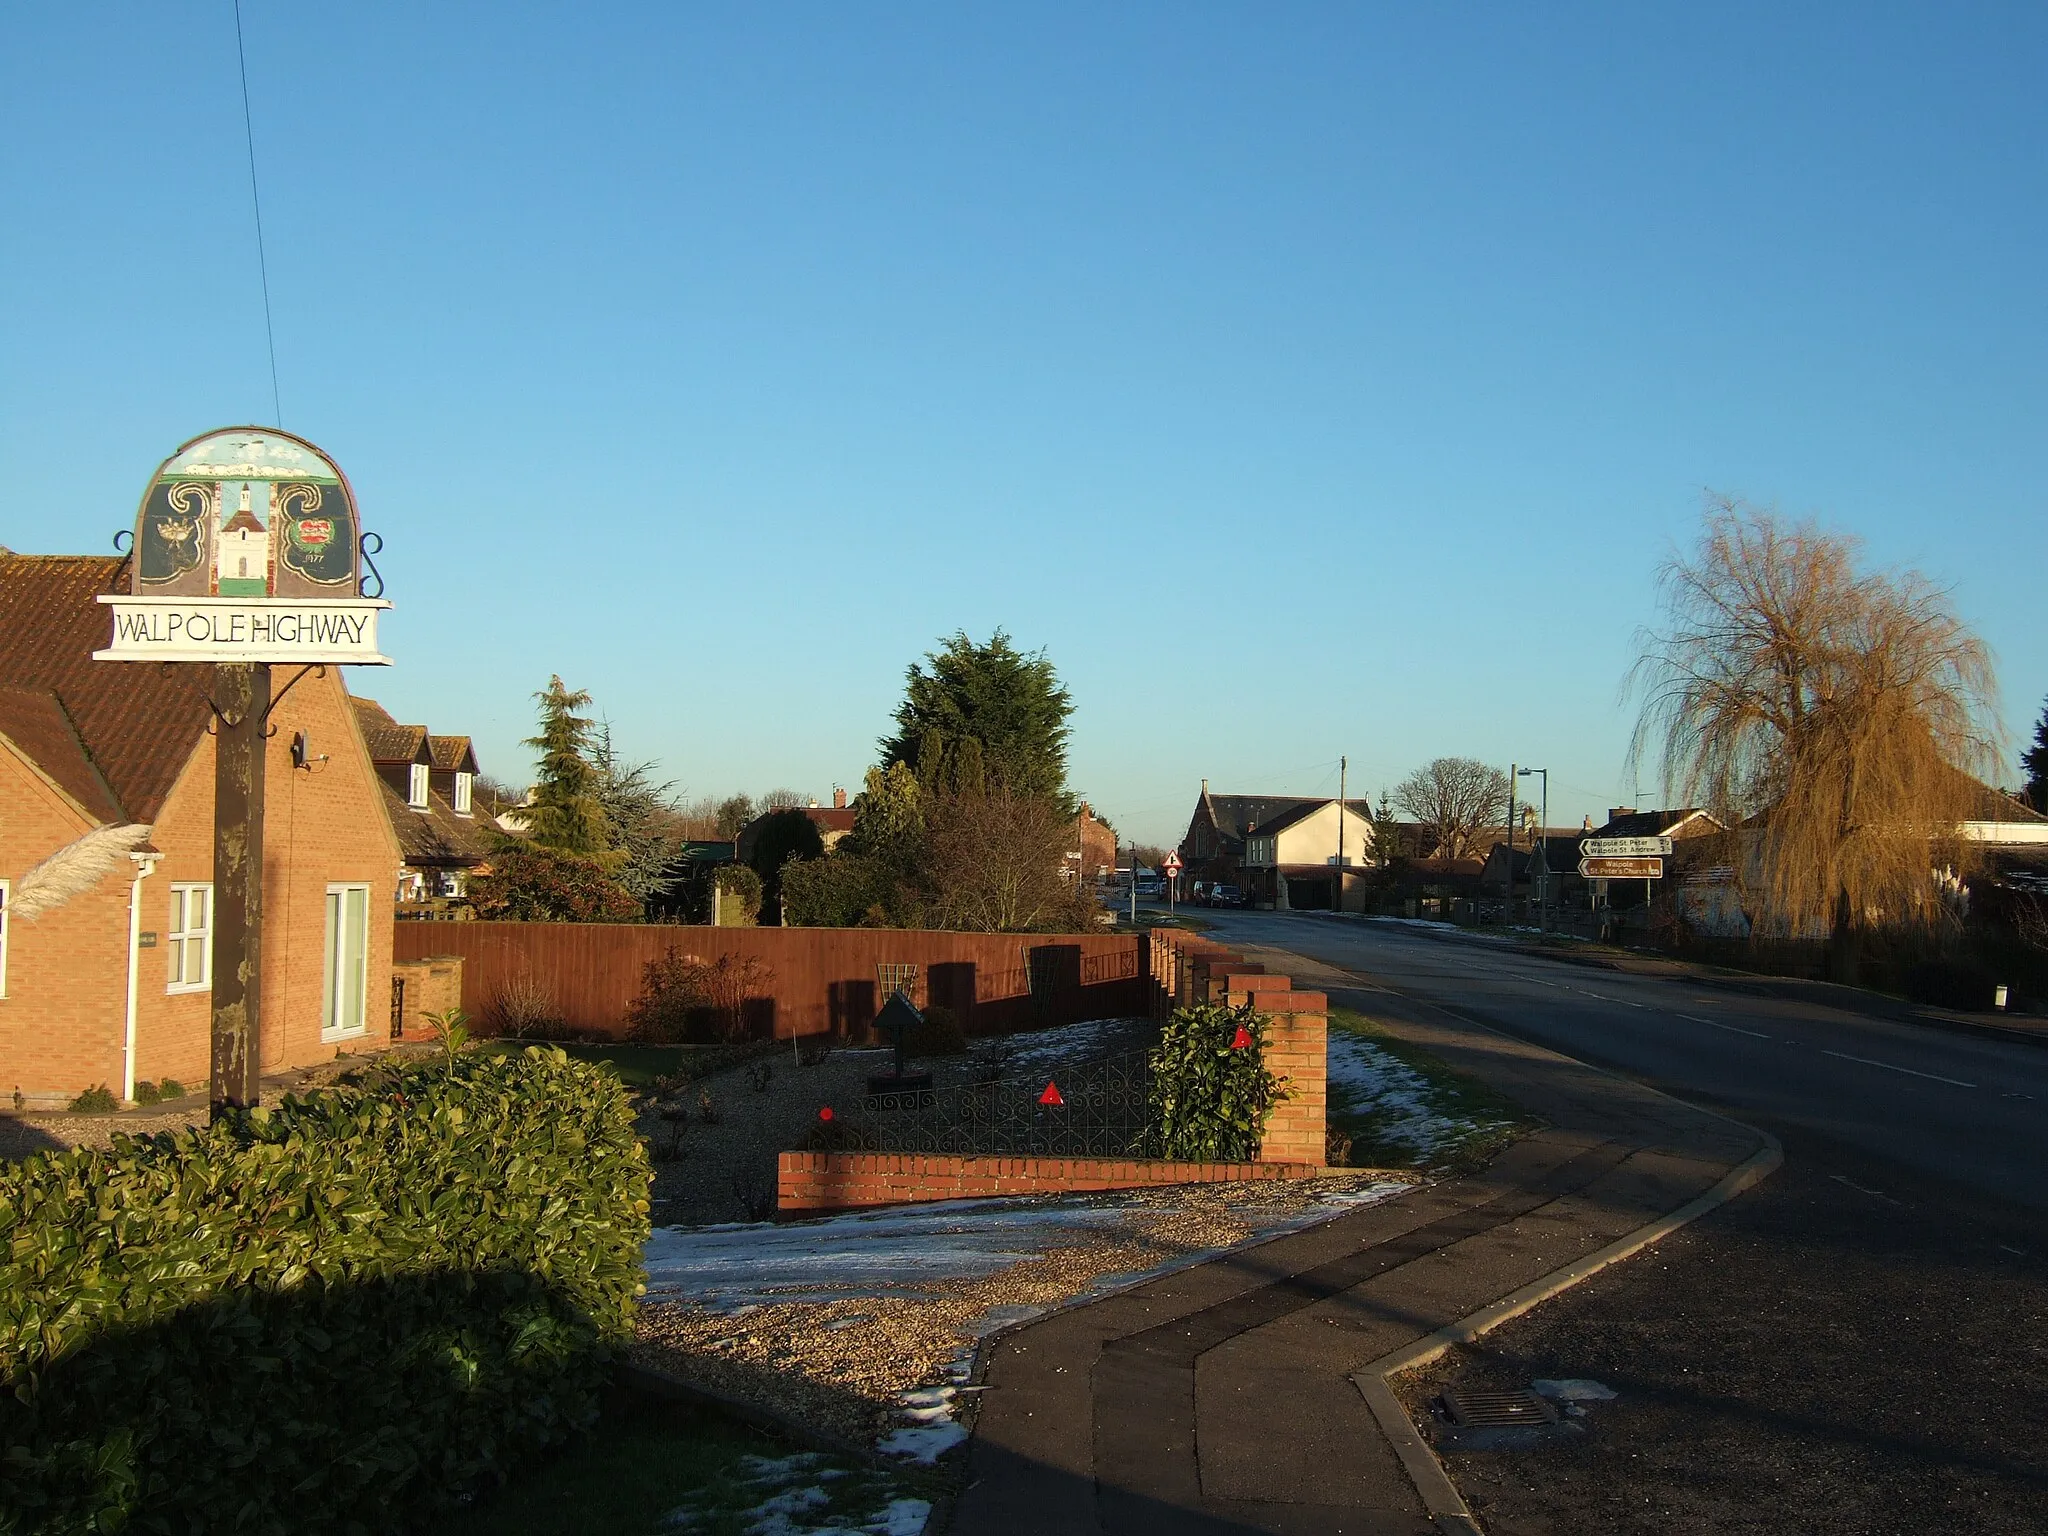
<point>1400,1099</point>
<point>735,1265</point>
<point>796,1503</point>
<point>1038,1050</point>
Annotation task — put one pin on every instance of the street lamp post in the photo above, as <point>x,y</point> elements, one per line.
<point>1543,831</point>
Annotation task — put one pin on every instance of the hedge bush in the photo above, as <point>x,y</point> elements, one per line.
<point>1211,1097</point>
<point>336,1315</point>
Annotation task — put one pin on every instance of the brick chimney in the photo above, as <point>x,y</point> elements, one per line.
<point>838,798</point>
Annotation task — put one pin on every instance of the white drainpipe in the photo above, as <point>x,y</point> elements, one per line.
<point>145,866</point>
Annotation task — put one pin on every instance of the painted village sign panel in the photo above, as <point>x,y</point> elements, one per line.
<point>247,548</point>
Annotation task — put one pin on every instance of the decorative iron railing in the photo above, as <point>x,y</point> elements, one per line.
<point>1093,1108</point>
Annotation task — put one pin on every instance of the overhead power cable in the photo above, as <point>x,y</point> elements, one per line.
<point>256,201</point>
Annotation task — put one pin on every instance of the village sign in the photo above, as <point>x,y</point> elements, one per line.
<point>247,550</point>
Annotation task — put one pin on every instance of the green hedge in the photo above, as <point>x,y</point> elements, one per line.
<point>335,1315</point>
<point>1211,1098</point>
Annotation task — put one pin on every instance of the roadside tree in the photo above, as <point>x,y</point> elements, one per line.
<point>784,835</point>
<point>2035,758</point>
<point>533,883</point>
<point>1838,715</point>
<point>1009,703</point>
<point>1455,798</point>
<point>566,814</point>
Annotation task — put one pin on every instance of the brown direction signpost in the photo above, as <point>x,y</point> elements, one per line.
<point>247,551</point>
<point>1621,869</point>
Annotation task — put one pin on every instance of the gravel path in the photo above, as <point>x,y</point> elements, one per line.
<point>859,1366</point>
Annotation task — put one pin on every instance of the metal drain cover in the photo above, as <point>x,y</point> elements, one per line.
<point>1497,1410</point>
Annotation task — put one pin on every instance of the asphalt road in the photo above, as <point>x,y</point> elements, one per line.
<point>1857,1347</point>
<point>1967,1109</point>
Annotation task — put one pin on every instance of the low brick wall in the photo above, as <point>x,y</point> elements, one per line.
<point>430,985</point>
<point>808,1183</point>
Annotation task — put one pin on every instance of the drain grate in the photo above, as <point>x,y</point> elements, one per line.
<point>1492,1410</point>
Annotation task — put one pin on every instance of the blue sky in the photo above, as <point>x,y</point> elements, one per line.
<point>1307,380</point>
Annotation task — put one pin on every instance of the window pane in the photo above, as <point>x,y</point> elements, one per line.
<point>358,902</point>
<point>329,997</point>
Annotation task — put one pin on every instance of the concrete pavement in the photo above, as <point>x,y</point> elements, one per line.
<point>1221,1399</point>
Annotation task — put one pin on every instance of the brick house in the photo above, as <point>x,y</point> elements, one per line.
<point>106,856</point>
<point>429,785</point>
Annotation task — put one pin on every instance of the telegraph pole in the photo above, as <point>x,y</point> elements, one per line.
<point>1343,767</point>
<point>241,701</point>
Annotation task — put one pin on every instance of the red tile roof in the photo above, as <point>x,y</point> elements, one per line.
<point>452,754</point>
<point>388,741</point>
<point>36,725</point>
<point>137,722</point>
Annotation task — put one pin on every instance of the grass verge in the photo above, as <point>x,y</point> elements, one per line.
<point>1404,1108</point>
<point>652,1466</point>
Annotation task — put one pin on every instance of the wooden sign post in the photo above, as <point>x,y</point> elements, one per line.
<point>247,551</point>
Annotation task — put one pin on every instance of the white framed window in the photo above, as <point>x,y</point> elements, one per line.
<point>4,888</point>
<point>465,785</point>
<point>449,882</point>
<point>416,787</point>
<point>188,961</point>
<point>345,996</point>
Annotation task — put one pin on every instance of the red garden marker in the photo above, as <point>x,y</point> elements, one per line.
<point>825,1113</point>
<point>1242,1039</point>
<point>1051,1095</point>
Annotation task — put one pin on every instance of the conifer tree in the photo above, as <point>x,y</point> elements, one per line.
<point>2035,759</point>
<point>566,814</point>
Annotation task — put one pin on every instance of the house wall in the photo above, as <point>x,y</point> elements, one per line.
<point>63,1015</point>
<point>321,824</point>
<point>1311,841</point>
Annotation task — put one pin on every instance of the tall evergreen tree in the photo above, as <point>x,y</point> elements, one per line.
<point>2036,760</point>
<point>1008,702</point>
<point>566,813</point>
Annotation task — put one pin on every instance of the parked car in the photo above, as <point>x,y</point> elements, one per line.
<point>1224,895</point>
<point>1200,894</point>
<point>1151,888</point>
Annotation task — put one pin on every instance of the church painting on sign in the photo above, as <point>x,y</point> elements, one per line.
<point>247,513</point>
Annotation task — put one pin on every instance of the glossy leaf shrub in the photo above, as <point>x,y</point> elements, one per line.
<point>1211,1096</point>
<point>336,1315</point>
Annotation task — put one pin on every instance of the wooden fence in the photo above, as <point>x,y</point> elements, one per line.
<point>824,980</point>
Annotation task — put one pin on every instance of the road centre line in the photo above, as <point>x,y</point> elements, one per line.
<point>1932,1077</point>
<point>1733,1029</point>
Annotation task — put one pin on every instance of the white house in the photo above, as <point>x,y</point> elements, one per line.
<point>1291,859</point>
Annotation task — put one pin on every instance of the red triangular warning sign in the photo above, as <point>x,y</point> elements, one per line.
<point>1242,1040</point>
<point>1051,1094</point>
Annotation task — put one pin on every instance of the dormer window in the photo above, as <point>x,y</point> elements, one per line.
<point>416,787</point>
<point>464,782</point>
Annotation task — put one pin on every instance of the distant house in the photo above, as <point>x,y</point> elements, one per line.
<point>833,822</point>
<point>106,856</point>
<point>1094,846</point>
<point>429,785</point>
<point>1280,848</point>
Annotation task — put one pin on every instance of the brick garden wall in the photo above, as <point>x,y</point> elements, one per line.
<point>1179,969</point>
<point>809,1183</point>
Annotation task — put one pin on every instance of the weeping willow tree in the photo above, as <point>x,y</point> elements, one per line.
<point>1836,716</point>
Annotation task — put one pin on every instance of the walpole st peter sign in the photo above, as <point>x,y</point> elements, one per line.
<point>247,550</point>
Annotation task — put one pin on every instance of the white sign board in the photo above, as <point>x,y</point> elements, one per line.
<point>1625,848</point>
<point>1171,863</point>
<point>305,632</point>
